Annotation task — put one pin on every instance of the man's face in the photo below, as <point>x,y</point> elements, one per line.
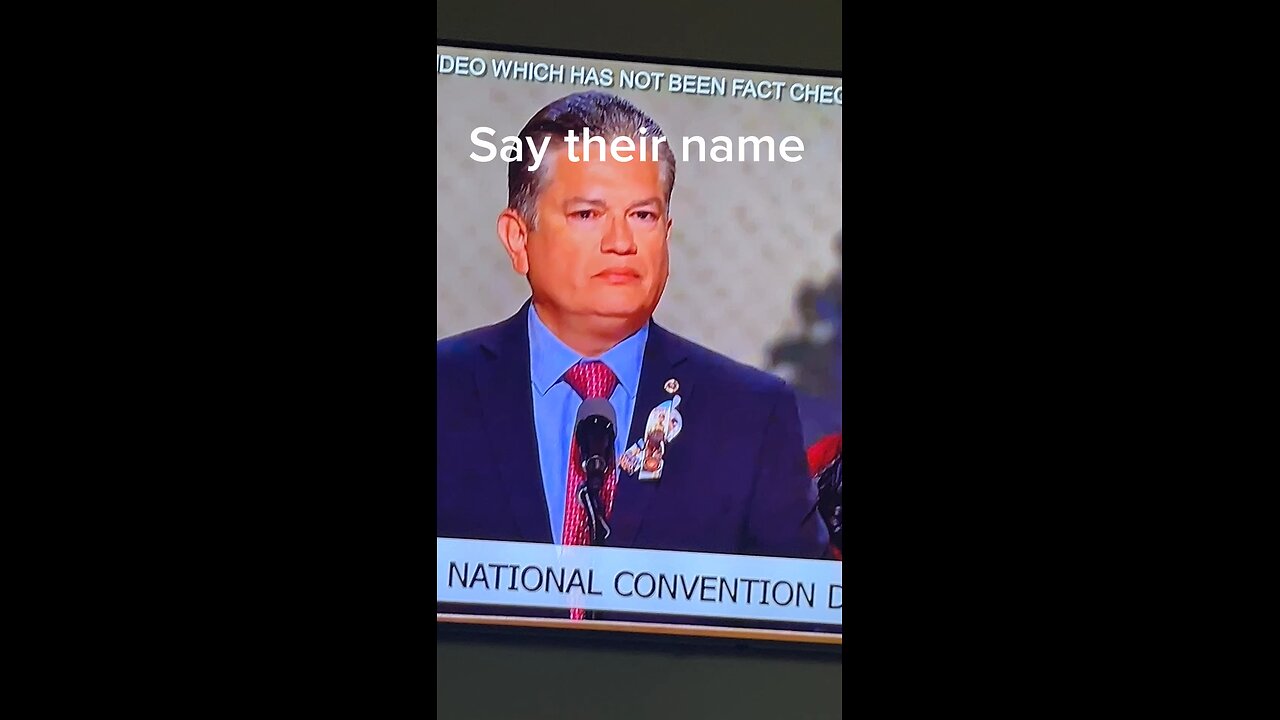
<point>600,245</point>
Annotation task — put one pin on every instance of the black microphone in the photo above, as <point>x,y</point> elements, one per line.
<point>595,434</point>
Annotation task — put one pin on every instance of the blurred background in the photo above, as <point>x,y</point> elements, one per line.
<point>755,247</point>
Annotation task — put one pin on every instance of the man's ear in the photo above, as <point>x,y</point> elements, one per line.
<point>514,235</point>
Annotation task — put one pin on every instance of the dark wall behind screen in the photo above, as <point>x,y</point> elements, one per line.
<point>801,34</point>
<point>536,675</point>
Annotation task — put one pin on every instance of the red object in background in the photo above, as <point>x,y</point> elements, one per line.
<point>820,455</point>
<point>823,452</point>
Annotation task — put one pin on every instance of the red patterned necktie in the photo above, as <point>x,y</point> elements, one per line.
<point>590,380</point>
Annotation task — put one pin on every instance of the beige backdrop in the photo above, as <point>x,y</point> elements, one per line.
<point>746,235</point>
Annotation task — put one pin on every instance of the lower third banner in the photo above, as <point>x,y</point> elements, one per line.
<point>747,587</point>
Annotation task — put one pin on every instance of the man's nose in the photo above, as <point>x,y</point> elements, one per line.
<point>618,238</point>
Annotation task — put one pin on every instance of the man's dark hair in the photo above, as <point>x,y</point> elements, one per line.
<point>607,116</point>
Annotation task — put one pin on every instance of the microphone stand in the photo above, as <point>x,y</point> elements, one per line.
<point>598,529</point>
<point>595,469</point>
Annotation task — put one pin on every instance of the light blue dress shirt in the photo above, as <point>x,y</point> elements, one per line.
<point>555,404</point>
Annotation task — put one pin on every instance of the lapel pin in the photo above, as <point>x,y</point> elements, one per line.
<point>671,386</point>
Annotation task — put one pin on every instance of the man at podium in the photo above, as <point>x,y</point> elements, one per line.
<point>703,453</point>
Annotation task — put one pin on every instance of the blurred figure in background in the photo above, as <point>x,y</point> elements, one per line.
<point>811,360</point>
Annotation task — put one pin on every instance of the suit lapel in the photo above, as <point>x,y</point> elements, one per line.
<point>506,402</point>
<point>662,354</point>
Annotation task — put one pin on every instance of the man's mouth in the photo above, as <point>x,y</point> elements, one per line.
<point>618,275</point>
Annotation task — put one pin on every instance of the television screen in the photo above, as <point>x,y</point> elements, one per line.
<point>639,332</point>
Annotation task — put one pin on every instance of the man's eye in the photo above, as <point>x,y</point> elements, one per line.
<point>646,215</point>
<point>583,214</point>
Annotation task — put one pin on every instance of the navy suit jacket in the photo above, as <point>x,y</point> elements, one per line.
<point>735,480</point>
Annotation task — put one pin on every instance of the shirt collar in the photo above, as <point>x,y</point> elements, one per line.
<point>549,358</point>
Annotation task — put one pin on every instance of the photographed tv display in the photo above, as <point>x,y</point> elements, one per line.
<point>639,333</point>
